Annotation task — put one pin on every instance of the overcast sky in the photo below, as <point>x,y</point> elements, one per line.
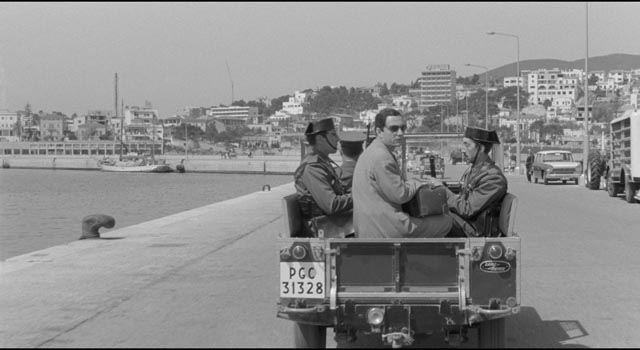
<point>63,56</point>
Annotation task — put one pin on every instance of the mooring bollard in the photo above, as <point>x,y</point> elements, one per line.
<point>180,167</point>
<point>92,223</point>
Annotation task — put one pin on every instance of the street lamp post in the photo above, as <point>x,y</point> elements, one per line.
<point>517,169</point>
<point>486,92</point>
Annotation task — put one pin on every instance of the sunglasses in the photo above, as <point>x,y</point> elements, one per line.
<point>395,128</point>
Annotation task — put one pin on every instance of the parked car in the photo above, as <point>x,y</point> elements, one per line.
<point>555,165</point>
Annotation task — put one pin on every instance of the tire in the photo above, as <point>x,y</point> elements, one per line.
<point>594,171</point>
<point>492,334</point>
<point>564,182</point>
<point>629,190</point>
<point>613,189</point>
<point>309,336</point>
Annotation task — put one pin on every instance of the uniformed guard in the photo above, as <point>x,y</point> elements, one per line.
<point>476,209</point>
<point>318,185</point>
<point>351,146</point>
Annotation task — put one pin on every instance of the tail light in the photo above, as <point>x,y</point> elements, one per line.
<point>299,252</point>
<point>494,251</point>
<point>375,316</point>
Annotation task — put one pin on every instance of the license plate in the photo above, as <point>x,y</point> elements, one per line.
<point>302,280</point>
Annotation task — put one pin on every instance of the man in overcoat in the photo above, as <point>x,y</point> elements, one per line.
<point>379,189</point>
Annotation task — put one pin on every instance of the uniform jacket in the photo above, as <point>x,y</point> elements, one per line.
<point>378,194</point>
<point>319,188</point>
<point>348,165</point>
<point>477,207</point>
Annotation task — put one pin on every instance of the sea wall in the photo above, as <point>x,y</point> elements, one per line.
<point>205,164</point>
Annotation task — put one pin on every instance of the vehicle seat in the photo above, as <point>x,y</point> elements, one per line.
<point>335,226</point>
<point>507,219</point>
<point>292,218</point>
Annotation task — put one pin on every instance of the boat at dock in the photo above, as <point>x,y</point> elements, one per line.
<point>135,164</point>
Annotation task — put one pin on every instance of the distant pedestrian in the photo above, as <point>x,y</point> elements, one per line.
<point>529,164</point>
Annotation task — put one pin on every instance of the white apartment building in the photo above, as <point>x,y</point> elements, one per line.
<point>139,115</point>
<point>513,81</point>
<point>600,74</point>
<point>234,115</point>
<point>295,105</point>
<point>550,85</point>
<point>8,121</point>
<point>437,85</point>
<point>402,103</point>
<point>617,75</point>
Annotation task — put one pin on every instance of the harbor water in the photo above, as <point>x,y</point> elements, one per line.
<point>40,208</point>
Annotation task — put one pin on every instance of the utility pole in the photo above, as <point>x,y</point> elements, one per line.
<point>585,152</point>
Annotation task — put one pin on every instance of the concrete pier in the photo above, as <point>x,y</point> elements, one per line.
<point>92,293</point>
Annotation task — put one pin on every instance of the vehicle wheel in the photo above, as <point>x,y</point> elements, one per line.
<point>564,182</point>
<point>629,191</point>
<point>492,334</point>
<point>612,188</point>
<point>594,171</point>
<point>309,336</point>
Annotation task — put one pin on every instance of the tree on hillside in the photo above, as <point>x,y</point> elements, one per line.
<point>341,100</point>
<point>276,105</point>
<point>384,90</point>
<point>539,127</point>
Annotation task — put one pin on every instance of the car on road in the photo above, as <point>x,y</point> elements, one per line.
<point>555,165</point>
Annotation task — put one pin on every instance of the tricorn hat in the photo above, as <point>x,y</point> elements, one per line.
<point>319,126</point>
<point>481,135</point>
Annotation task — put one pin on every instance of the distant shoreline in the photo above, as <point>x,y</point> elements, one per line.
<point>271,165</point>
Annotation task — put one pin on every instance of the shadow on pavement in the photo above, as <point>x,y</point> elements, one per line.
<point>524,330</point>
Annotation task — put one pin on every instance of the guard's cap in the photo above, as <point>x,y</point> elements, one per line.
<point>352,136</point>
<point>481,135</point>
<point>321,125</point>
<point>352,139</point>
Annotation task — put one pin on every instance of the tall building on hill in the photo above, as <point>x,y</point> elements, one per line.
<point>437,86</point>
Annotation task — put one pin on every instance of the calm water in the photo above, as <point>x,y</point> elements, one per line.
<point>44,208</point>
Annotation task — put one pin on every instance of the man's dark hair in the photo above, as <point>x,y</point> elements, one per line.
<point>381,117</point>
<point>352,152</point>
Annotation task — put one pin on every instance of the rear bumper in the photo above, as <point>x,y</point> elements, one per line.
<point>416,317</point>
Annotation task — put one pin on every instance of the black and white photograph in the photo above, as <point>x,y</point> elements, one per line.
<point>319,174</point>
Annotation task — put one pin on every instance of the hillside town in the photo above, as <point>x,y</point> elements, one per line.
<point>551,111</point>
